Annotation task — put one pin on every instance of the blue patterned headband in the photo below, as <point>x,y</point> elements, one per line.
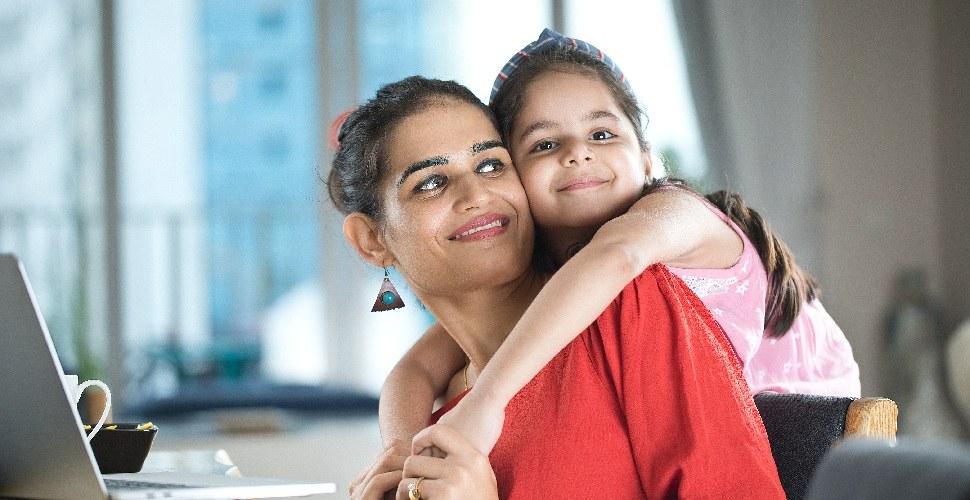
<point>547,41</point>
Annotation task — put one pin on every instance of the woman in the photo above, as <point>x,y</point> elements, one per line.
<point>648,401</point>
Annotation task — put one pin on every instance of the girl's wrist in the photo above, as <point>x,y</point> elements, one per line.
<point>481,397</point>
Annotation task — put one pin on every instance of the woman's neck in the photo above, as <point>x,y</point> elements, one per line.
<point>480,320</point>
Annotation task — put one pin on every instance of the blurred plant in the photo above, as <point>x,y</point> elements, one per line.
<point>88,366</point>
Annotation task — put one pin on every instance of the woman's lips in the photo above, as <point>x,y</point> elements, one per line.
<point>582,183</point>
<point>480,228</point>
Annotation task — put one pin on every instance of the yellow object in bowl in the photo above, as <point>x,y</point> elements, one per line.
<point>122,447</point>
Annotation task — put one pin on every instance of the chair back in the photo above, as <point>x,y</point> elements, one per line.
<point>802,427</point>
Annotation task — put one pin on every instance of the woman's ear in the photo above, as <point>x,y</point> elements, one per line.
<point>363,233</point>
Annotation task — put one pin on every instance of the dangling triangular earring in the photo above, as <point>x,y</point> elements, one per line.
<point>387,298</point>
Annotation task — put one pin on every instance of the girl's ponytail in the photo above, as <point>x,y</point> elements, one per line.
<point>789,286</point>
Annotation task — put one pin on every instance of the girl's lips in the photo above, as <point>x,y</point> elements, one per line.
<point>480,228</point>
<point>582,183</point>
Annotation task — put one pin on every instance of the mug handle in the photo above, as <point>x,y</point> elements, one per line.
<point>107,403</point>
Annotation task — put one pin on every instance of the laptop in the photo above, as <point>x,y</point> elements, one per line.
<point>43,451</point>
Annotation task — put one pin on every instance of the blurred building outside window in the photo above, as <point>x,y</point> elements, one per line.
<point>220,139</point>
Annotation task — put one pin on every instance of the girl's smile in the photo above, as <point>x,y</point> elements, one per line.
<point>583,182</point>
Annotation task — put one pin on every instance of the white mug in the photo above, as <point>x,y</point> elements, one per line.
<point>75,390</point>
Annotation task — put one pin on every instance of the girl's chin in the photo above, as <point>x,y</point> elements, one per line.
<point>579,219</point>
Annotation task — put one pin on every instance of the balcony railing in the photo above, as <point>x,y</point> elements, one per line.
<point>195,284</point>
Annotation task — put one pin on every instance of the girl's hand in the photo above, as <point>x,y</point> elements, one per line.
<point>382,476</point>
<point>463,473</point>
<point>478,420</point>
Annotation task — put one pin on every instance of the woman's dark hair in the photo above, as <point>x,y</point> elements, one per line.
<point>361,160</point>
<point>789,286</point>
<point>508,100</point>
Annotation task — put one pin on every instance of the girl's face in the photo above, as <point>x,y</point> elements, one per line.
<point>455,211</point>
<point>576,152</point>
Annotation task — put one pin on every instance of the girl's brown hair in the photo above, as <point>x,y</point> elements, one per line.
<point>789,286</point>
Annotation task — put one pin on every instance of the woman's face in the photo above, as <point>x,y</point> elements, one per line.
<point>576,152</point>
<point>455,211</point>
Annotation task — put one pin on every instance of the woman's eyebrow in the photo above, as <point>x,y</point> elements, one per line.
<point>434,161</point>
<point>486,145</point>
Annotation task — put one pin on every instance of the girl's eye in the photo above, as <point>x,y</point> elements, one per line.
<point>544,146</point>
<point>491,167</point>
<point>431,183</point>
<point>602,135</point>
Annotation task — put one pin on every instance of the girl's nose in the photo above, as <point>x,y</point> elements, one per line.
<point>577,153</point>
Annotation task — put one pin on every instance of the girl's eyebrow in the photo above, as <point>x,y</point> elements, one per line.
<point>596,115</point>
<point>539,125</point>
<point>434,161</point>
<point>548,124</point>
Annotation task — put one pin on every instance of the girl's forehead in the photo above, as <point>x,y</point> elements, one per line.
<point>559,95</point>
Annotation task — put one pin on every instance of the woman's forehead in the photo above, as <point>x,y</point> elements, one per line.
<point>443,129</point>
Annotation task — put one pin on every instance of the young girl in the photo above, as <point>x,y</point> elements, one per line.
<point>573,128</point>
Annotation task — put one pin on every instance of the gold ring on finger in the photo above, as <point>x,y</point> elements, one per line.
<point>413,492</point>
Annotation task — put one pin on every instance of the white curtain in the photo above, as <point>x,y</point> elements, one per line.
<point>752,73</point>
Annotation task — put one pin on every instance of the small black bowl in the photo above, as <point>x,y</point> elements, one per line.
<point>123,448</point>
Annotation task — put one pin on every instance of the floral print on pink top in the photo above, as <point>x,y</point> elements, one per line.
<point>814,357</point>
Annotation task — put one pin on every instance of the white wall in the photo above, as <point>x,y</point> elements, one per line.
<point>842,139</point>
<point>878,161</point>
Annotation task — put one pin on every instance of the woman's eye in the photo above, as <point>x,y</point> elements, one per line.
<point>431,183</point>
<point>491,167</point>
<point>544,146</point>
<point>602,135</point>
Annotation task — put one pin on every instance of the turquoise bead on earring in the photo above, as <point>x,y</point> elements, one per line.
<point>387,298</point>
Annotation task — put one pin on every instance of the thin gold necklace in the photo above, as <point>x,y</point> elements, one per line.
<point>464,373</point>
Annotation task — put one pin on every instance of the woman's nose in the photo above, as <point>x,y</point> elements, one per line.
<point>471,193</point>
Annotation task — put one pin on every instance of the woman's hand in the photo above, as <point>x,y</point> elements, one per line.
<point>381,478</point>
<point>478,420</point>
<point>463,473</point>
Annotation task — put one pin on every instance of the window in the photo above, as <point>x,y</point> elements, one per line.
<point>233,268</point>
<point>644,42</point>
<point>50,111</point>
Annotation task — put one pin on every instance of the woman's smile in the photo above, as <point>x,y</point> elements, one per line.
<point>480,228</point>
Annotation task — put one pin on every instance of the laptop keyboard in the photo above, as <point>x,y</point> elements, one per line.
<point>126,484</point>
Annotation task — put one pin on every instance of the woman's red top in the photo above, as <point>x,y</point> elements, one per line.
<point>648,402</point>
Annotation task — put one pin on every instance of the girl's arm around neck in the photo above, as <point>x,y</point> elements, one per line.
<point>408,394</point>
<point>669,226</point>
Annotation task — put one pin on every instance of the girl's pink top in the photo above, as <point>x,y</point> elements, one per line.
<point>814,357</point>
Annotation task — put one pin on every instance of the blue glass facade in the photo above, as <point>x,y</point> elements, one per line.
<point>392,41</point>
<point>261,136</point>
